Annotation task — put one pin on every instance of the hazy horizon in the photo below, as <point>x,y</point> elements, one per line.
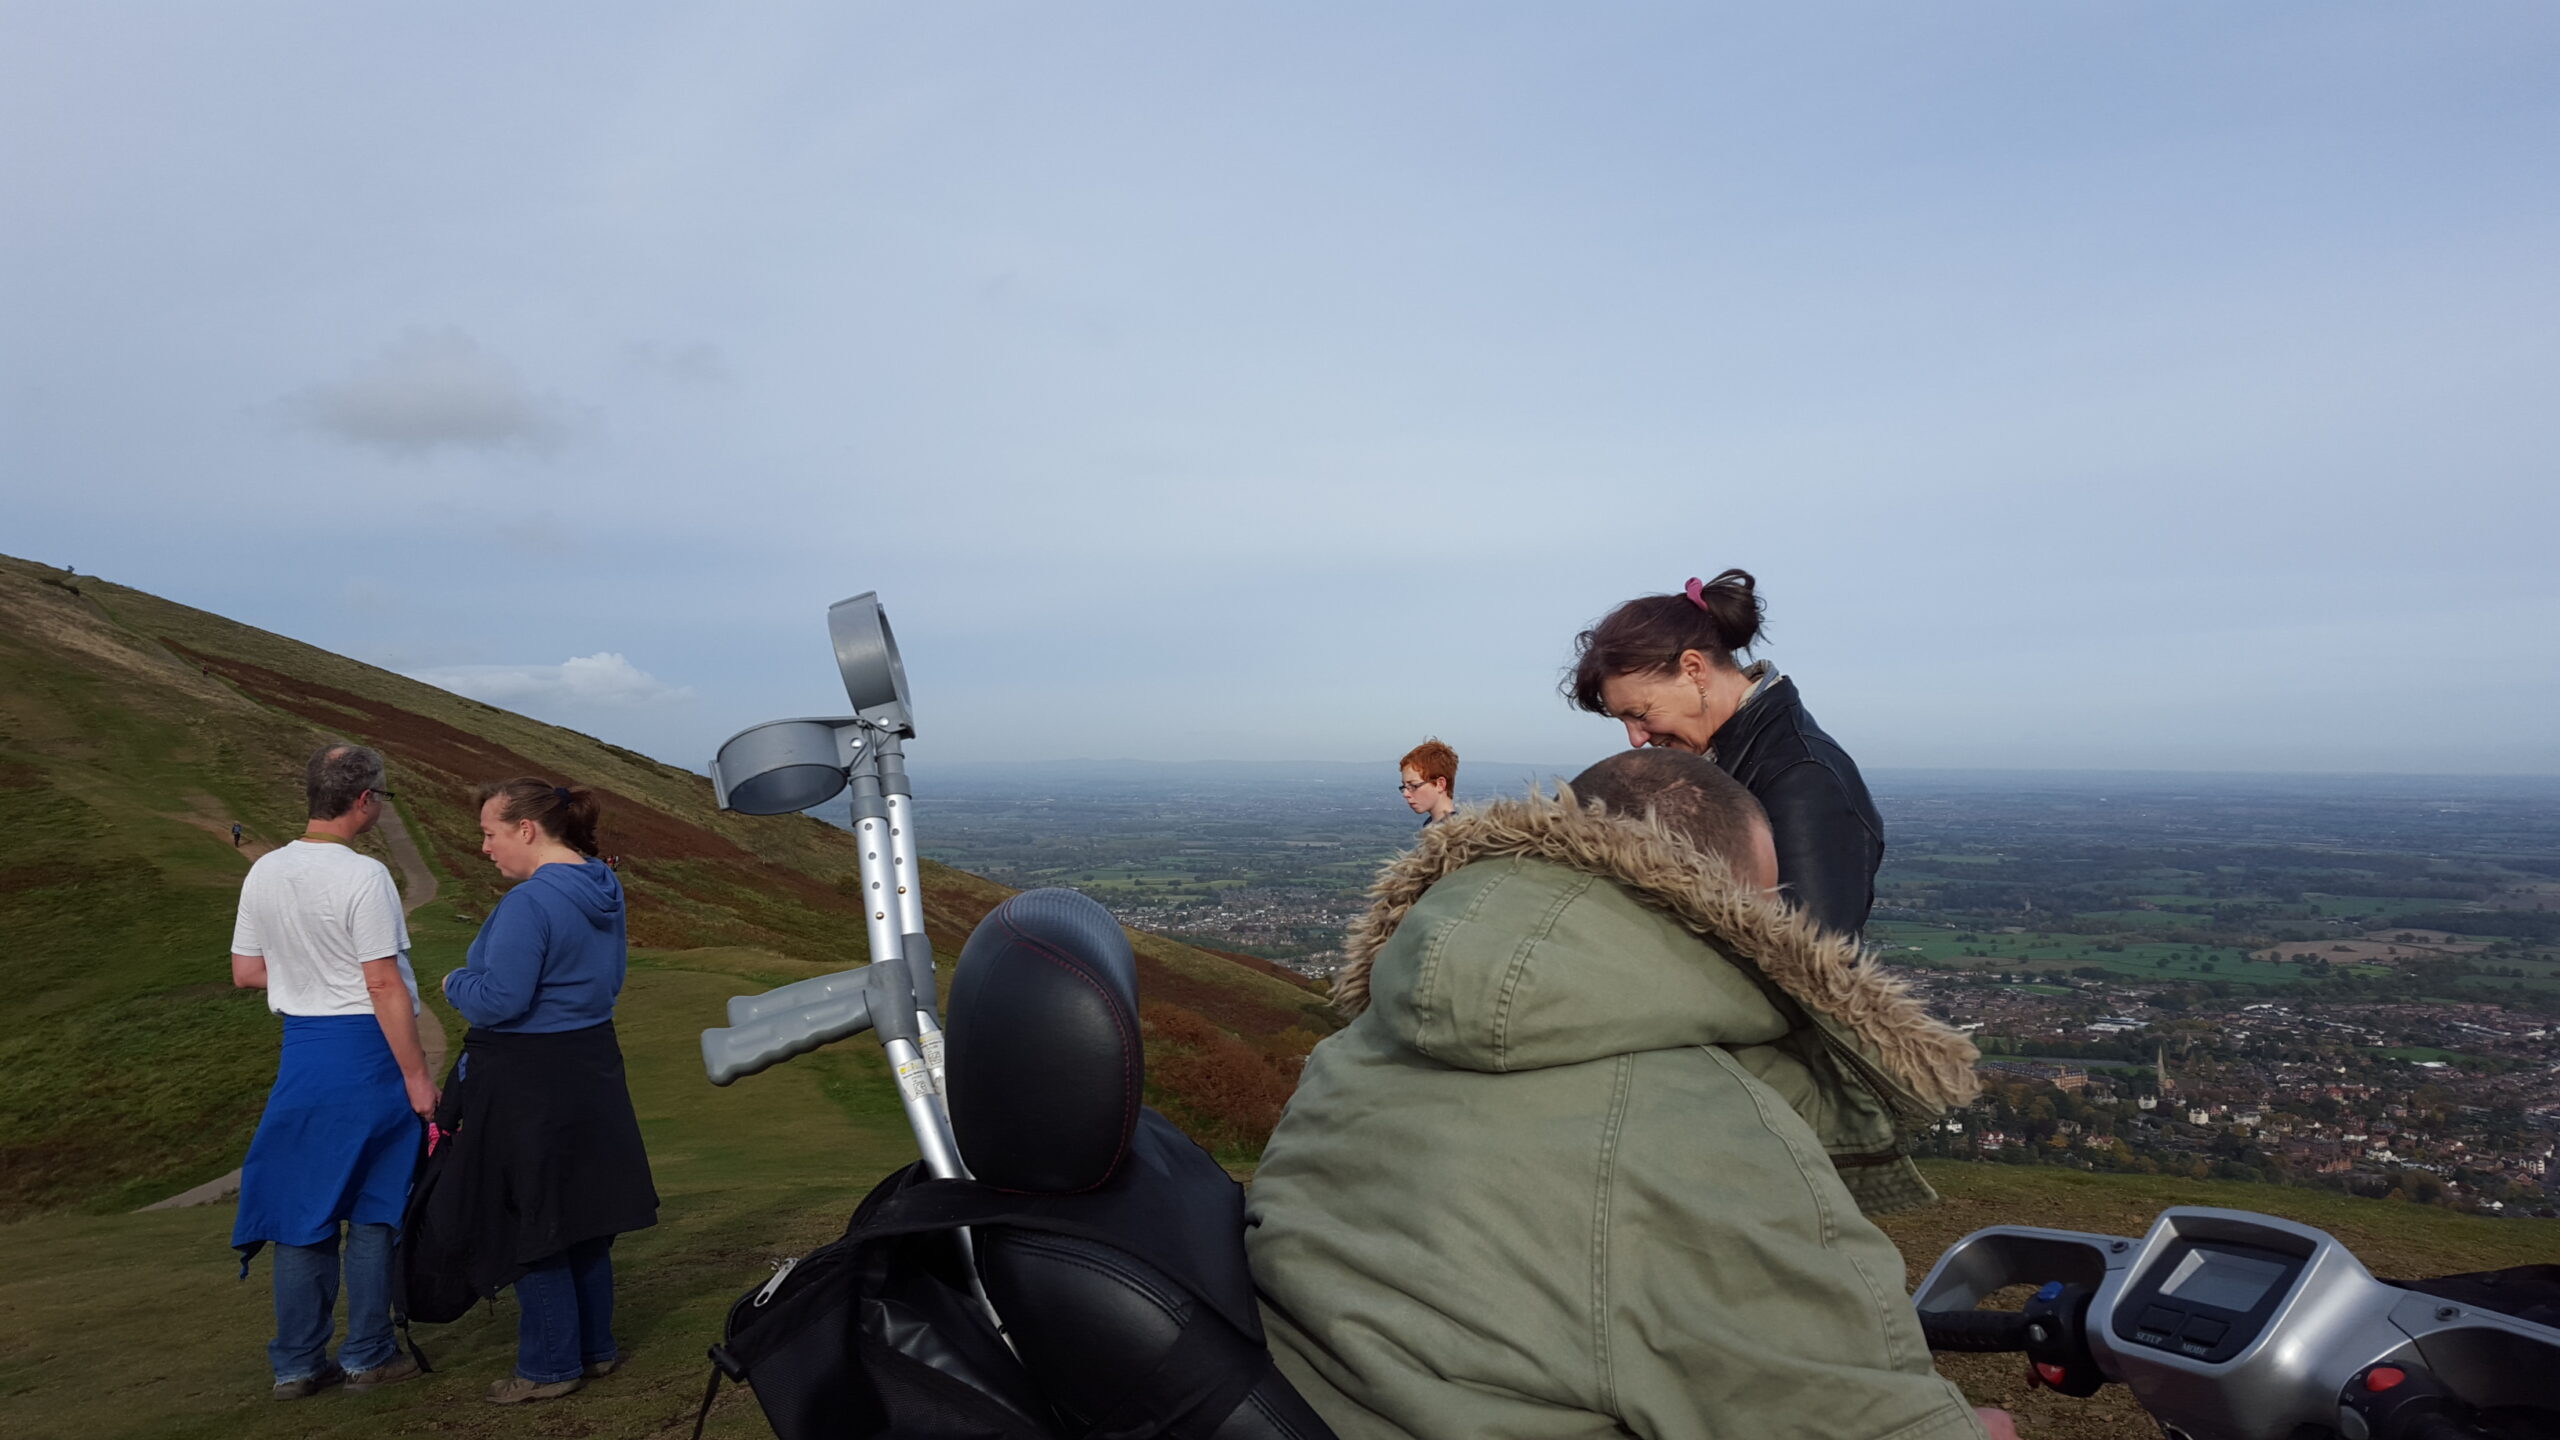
<point>2100,772</point>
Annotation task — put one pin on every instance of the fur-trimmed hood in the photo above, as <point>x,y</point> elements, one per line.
<point>1874,1024</point>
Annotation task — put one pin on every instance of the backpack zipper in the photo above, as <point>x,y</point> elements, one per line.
<point>780,1273</point>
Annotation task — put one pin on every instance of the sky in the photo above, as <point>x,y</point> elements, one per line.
<point>2121,386</point>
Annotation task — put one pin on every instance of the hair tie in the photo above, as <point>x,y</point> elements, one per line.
<point>1698,594</point>
<point>562,791</point>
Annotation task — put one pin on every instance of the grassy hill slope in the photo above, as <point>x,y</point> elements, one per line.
<point>134,731</point>
<point>134,1325</point>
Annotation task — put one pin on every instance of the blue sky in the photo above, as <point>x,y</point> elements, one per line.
<point>2115,386</point>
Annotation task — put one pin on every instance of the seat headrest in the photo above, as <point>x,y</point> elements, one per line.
<point>1044,1065</point>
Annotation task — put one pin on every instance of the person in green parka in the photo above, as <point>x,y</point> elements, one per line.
<point>1595,1154</point>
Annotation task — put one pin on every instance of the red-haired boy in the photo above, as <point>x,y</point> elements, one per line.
<point>1430,774</point>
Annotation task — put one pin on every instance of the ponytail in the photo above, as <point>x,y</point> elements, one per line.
<point>1731,607</point>
<point>1648,635</point>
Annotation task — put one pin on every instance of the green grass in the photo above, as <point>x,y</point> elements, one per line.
<point>127,1060</point>
<point>2136,919</point>
<point>133,1325</point>
<point>2369,907</point>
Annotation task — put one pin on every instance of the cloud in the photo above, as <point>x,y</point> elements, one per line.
<point>431,389</point>
<point>604,680</point>
<point>696,363</point>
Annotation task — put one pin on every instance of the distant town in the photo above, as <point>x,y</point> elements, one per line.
<point>2352,984</point>
<point>2444,1101</point>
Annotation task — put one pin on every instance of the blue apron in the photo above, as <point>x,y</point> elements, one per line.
<point>338,1140</point>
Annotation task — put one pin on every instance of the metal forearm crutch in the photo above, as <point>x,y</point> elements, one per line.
<point>786,766</point>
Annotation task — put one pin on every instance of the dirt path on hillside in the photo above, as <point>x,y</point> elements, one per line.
<point>417,887</point>
<point>205,813</point>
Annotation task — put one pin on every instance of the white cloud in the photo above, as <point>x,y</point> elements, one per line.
<point>604,680</point>
<point>430,389</point>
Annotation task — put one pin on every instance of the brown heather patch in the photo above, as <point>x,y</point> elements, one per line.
<point>458,762</point>
<point>687,885</point>
<point>56,1169</point>
<point>1229,1006</point>
<point>43,875</point>
<point>1223,1092</point>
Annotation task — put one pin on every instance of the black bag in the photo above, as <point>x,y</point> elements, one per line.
<point>430,1277</point>
<point>876,1334</point>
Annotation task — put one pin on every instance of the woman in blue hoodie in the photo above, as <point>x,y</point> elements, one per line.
<point>548,1165</point>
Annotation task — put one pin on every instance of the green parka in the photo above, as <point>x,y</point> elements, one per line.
<point>1590,1156</point>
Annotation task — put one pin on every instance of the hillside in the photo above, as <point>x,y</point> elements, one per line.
<point>134,731</point>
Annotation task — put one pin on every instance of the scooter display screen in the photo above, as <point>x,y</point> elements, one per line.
<point>2205,1299</point>
<point>2222,1280</point>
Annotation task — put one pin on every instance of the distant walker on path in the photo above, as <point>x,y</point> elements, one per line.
<point>235,834</point>
<point>321,931</point>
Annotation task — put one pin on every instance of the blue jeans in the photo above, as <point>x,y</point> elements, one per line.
<point>307,1294</point>
<point>564,1320</point>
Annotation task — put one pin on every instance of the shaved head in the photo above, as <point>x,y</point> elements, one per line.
<point>1693,799</point>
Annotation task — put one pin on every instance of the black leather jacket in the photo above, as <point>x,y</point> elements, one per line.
<point>1830,839</point>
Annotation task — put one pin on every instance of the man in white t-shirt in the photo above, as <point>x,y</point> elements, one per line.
<point>321,930</point>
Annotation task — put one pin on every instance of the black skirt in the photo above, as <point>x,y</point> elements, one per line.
<point>541,1151</point>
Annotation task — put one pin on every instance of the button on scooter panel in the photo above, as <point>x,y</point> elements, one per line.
<point>2157,1324</point>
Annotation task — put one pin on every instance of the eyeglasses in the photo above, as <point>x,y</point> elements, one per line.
<point>1409,786</point>
<point>380,794</point>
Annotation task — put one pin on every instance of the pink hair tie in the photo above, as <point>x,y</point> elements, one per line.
<point>1698,593</point>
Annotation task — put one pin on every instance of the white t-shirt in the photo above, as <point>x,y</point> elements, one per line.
<point>317,912</point>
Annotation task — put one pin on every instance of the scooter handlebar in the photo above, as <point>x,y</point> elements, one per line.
<point>1974,1331</point>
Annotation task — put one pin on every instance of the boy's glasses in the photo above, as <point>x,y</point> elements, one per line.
<point>1409,786</point>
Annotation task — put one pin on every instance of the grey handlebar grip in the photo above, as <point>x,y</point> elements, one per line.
<point>762,1044</point>
<point>745,1009</point>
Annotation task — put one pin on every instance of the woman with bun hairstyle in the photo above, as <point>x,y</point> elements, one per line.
<point>1664,666</point>
<point>547,1165</point>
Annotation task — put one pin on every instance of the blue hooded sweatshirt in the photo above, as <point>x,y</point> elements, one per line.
<point>551,956</point>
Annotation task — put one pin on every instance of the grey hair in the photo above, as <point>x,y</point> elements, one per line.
<point>338,776</point>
